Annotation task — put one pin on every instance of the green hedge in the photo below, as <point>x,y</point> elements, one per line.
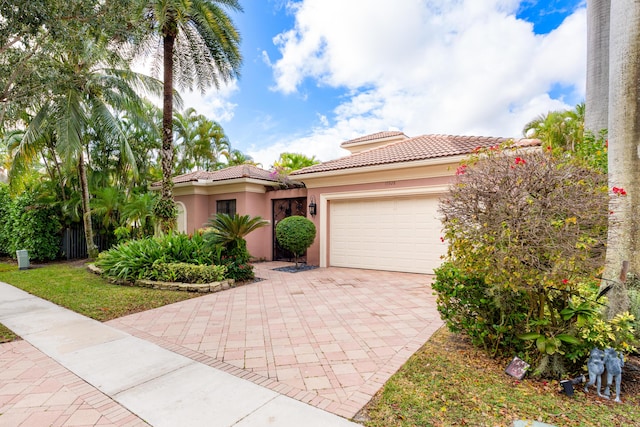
<point>5,212</point>
<point>186,273</point>
<point>28,224</point>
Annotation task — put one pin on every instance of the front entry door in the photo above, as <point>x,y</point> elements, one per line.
<point>283,208</point>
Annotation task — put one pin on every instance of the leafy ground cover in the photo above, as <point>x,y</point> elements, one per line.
<point>72,286</point>
<point>450,383</point>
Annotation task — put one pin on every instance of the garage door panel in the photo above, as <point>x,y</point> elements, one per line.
<point>399,234</point>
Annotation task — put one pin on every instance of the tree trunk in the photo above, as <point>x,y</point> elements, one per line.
<point>597,90</point>
<point>166,216</point>
<point>92,249</point>
<point>624,146</point>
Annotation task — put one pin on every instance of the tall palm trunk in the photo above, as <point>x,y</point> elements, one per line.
<point>597,95</point>
<point>166,215</point>
<point>92,249</point>
<point>624,144</point>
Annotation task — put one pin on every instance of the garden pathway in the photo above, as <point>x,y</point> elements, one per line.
<point>329,337</point>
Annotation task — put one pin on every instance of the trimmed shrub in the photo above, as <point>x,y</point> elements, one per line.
<point>186,273</point>
<point>295,234</point>
<point>35,227</point>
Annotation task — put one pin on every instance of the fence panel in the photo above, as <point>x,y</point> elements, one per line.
<point>74,246</point>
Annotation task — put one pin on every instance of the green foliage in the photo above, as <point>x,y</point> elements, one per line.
<point>491,317</point>
<point>295,234</point>
<point>201,142</point>
<point>563,133</point>
<point>230,231</point>
<point>35,227</point>
<point>165,209</point>
<point>289,162</point>
<point>186,273</point>
<point>226,233</point>
<point>5,229</point>
<point>532,226</point>
<point>593,150</point>
<point>135,259</point>
<point>130,260</point>
<point>236,260</point>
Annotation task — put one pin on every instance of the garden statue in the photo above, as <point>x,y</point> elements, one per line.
<point>595,364</point>
<point>614,362</point>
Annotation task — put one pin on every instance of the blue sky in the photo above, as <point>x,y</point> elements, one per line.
<point>319,72</point>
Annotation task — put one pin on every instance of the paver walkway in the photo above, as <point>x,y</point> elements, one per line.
<point>108,365</point>
<point>329,337</point>
<point>37,391</point>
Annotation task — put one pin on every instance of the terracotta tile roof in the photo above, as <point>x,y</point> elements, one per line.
<point>233,172</point>
<point>373,137</point>
<point>412,149</point>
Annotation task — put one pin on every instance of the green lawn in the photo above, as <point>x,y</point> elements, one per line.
<point>72,286</point>
<point>6,334</point>
<point>449,383</point>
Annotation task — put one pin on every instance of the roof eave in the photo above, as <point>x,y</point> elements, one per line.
<point>211,183</point>
<point>384,167</point>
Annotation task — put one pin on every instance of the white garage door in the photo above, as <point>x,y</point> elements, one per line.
<point>395,234</point>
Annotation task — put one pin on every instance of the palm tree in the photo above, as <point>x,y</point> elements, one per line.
<point>289,162</point>
<point>230,231</point>
<point>558,129</point>
<point>107,204</point>
<point>184,124</point>
<point>201,142</point>
<point>212,143</point>
<point>236,157</point>
<point>200,44</point>
<point>89,90</point>
<point>137,213</point>
<point>597,94</point>
<point>623,242</point>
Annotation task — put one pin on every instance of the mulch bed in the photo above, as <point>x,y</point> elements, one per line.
<point>294,269</point>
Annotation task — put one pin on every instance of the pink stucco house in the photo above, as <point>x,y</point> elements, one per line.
<point>376,208</point>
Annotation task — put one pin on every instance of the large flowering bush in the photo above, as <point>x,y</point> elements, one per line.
<point>527,236</point>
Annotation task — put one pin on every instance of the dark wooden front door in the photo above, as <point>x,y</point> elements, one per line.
<point>283,208</point>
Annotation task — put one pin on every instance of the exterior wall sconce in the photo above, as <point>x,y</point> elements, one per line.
<point>313,208</point>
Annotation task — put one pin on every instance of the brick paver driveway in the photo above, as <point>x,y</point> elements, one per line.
<point>330,337</point>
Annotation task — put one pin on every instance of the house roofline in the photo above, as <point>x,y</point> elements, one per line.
<point>214,183</point>
<point>383,167</point>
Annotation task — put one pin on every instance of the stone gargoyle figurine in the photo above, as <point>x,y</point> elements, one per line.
<point>595,364</point>
<point>613,361</point>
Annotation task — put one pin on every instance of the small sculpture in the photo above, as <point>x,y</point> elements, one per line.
<point>595,364</point>
<point>614,362</point>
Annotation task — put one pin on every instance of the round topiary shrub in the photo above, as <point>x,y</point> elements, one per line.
<point>295,234</point>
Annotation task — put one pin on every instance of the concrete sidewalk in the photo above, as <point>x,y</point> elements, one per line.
<point>159,386</point>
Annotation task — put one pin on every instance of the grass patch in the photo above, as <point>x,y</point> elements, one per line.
<point>72,286</point>
<point>6,334</point>
<point>450,383</point>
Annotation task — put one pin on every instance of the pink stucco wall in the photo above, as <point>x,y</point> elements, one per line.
<point>200,208</point>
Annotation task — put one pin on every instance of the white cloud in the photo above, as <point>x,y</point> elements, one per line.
<point>434,66</point>
<point>214,103</point>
